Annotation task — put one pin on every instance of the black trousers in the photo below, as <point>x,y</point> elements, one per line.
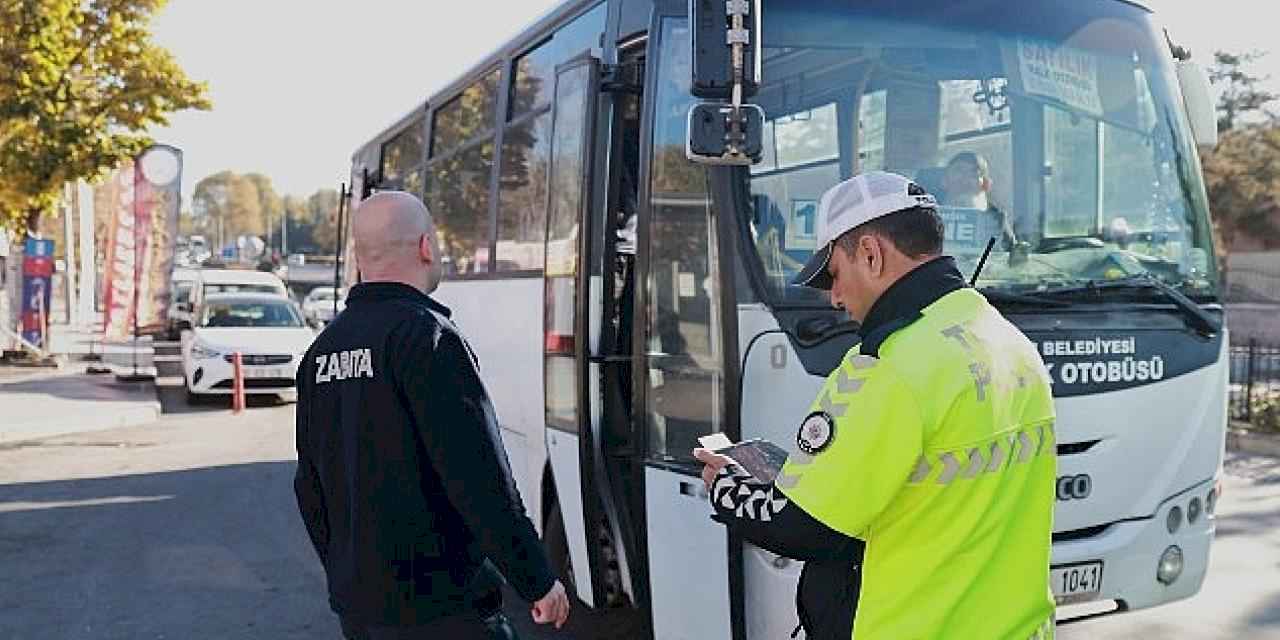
<point>461,627</point>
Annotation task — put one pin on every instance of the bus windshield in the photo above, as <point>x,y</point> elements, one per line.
<point>1058,131</point>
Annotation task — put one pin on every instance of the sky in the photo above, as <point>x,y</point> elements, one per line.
<point>297,88</point>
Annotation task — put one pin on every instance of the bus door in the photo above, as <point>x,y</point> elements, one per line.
<point>680,346</point>
<point>569,527</point>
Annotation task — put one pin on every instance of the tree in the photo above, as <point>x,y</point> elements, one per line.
<point>1243,180</point>
<point>80,83</point>
<point>235,202</point>
<point>244,208</point>
<point>1241,95</point>
<point>1242,175</point>
<point>298,215</point>
<point>323,208</point>
<point>269,202</point>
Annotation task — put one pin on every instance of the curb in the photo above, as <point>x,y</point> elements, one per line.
<point>1243,441</point>
<point>37,431</point>
<point>133,417</point>
<point>140,412</point>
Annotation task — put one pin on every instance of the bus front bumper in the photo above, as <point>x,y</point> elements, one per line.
<point>1132,553</point>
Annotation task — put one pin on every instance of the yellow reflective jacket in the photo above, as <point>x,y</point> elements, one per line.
<point>941,456</point>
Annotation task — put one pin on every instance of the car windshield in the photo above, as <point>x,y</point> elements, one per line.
<point>182,293</point>
<point>250,314</point>
<point>1059,132</point>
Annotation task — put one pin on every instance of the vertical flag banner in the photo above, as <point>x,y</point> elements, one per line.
<point>142,232</point>
<point>118,270</point>
<point>157,181</point>
<point>37,290</point>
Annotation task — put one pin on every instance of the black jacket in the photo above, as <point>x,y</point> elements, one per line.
<point>831,580</point>
<point>402,478</point>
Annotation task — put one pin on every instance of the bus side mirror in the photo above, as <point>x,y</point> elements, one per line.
<point>1197,94</point>
<point>719,25</point>
<point>713,140</point>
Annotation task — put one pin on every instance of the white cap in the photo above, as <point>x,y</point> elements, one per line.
<point>856,201</point>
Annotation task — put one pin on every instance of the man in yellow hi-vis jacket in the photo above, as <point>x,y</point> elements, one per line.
<point>920,493</point>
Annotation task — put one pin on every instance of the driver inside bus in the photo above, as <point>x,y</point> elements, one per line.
<point>967,184</point>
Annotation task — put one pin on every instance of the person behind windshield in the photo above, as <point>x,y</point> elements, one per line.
<point>967,184</point>
<point>221,317</point>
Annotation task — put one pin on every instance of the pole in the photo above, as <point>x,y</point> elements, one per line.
<point>237,382</point>
<point>88,261</point>
<point>337,262</point>
<point>135,315</point>
<point>68,228</point>
<point>284,235</point>
<point>1248,385</point>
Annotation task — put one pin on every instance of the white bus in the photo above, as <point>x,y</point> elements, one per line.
<point>658,310</point>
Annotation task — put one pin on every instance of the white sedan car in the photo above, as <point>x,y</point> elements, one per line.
<point>269,333</point>
<point>318,304</point>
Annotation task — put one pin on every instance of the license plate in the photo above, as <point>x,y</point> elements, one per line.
<point>1076,583</point>
<point>265,372</point>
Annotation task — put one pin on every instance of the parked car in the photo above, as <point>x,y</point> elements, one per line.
<point>179,318</point>
<point>212,281</point>
<point>267,330</point>
<point>318,305</point>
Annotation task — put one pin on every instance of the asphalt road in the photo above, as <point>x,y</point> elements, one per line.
<point>187,529</point>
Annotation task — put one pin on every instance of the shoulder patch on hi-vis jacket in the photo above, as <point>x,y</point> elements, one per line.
<point>816,433</point>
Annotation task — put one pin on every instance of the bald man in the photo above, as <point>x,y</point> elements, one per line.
<point>402,478</point>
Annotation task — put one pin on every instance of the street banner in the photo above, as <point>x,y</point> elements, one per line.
<point>118,269</point>
<point>156,194</point>
<point>142,231</point>
<point>37,290</point>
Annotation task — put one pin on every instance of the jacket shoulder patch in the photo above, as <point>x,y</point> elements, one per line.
<point>816,433</point>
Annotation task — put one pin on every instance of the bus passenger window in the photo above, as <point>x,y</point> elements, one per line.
<point>522,194</point>
<point>458,195</point>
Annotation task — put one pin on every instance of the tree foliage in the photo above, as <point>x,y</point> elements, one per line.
<point>230,203</point>
<point>322,210</point>
<point>269,202</point>
<point>249,205</point>
<point>1243,180</point>
<point>80,83</point>
<point>1241,94</point>
<point>1242,175</point>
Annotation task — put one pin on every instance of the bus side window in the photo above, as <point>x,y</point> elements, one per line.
<point>458,174</point>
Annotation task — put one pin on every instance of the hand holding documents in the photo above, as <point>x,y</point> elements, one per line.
<point>761,458</point>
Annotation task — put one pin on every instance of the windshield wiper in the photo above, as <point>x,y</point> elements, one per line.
<point>1199,319</point>
<point>1000,296</point>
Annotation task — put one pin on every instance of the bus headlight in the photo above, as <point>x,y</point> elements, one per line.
<point>1170,566</point>
<point>1193,511</point>
<point>1174,520</point>
<point>1210,501</point>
